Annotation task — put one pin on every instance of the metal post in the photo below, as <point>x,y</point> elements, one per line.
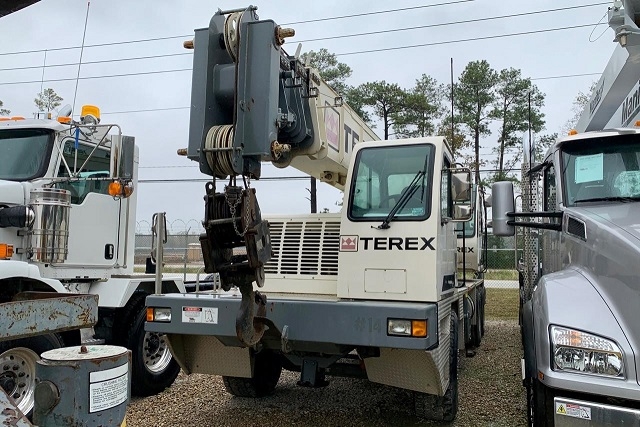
<point>186,253</point>
<point>161,230</point>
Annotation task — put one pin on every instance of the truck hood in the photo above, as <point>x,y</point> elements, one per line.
<point>611,253</point>
<point>11,193</point>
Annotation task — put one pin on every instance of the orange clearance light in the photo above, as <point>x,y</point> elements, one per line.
<point>6,251</point>
<point>637,123</point>
<point>90,110</point>
<point>149,314</point>
<point>64,120</point>
<point>17,118</point>
<point>418,328</point>
<point>115,189</point>
<point>5,119</point>
<point>573,132</point>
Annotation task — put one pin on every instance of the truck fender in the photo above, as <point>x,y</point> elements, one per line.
<point>20,269</point>
<point>587,312</point>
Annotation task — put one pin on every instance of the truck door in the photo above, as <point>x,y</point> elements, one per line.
<point>95,215</point>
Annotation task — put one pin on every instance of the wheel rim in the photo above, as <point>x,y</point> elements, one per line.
<point>18,376</point>
<point>155,352</point>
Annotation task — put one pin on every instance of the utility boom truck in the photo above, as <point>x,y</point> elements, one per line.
<point>67,224</point>
<point>579,274</point>
<point>370,292</point>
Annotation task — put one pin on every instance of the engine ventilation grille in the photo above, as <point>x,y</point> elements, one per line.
<point>307,247</point>
<point>576,227</point>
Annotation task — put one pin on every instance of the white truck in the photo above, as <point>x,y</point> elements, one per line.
<point>579,277</point>
<point>371,292</point>
<point>67,224</point>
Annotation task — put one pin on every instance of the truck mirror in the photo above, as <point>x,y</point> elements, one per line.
<point>461,186</point>
<point>462,212</point>
<point>502,204</point>
<point>122,157</point>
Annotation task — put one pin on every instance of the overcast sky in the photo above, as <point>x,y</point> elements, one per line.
<point>55,24</point>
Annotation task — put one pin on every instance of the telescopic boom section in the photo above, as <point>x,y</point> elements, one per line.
<point>251,102</point>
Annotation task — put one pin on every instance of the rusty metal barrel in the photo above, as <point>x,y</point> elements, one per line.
<point>49,237</point>
<point>83,386</point>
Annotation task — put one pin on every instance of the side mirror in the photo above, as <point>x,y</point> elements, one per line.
<point>462,212</point>
<point>502,204</point>
<point>122,157</point>
<point>461,186</point>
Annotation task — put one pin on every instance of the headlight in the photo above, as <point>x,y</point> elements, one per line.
<point>158,314</point>
<point>407,328</point>
<point>582,352</point>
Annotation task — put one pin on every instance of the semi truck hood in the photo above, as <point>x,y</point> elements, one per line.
<point>11,193</point>
<point>611,253</point>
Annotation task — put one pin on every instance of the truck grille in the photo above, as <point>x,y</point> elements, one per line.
<point>304,246</point>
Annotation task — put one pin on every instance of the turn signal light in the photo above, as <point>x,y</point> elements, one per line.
<point>6,251</point>
<point>117,189</point>
<point>419,328</point>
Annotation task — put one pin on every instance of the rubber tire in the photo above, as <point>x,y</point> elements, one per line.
<point>266,374</point>
<point>39,344</point>
<point>442,408</point>
<point>482,310</point>
<point>144,382</point>
<point>539,404</point>
<point>476,330</point>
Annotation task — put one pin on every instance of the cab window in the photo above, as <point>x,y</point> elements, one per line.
<point>86,177</point>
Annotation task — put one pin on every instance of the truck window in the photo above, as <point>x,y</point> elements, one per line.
<point>601,171</point>
<point>468,227</point>
<point>383,174</point>
<point>446,204</point>
<point>92,178</point>
<point>24,153</point>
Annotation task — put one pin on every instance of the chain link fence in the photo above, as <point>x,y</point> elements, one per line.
<point>183,257</point>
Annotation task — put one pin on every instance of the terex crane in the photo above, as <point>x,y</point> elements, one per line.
<point>580,272</point>
<point>371,292</point>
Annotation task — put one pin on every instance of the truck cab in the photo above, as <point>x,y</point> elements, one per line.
<point>580,278</point>
<point>67,224</point>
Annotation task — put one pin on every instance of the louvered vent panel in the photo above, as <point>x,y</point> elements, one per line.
<point>276,244</point>
<point>576,228</point>
<point>304,247</point>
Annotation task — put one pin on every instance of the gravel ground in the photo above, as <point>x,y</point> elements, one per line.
<point>491,394</point>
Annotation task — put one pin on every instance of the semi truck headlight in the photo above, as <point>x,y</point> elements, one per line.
<point>158,314</point>
<point>587,353</point>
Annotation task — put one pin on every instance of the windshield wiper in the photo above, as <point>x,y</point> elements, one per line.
<point>406,195</point>
<point>609,199</point>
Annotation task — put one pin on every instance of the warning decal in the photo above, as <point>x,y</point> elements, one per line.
<point>573,410</point>
<point>200,315</point>
<point>109,388</point>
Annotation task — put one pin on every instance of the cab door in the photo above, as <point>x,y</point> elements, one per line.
<point>95,215</point>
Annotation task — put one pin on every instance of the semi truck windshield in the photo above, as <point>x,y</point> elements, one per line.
<point>601,171</point>
<point>24,153</point>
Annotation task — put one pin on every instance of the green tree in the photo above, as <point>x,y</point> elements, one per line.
<point>517,107</point>
<point>474,97</point>
<point>386,100</point>
<point>335,74</point>
<point>423,106</point>
<point>4,111</point>
<point>579,103</point>
<point>47,100</point>
<point>457,139</point>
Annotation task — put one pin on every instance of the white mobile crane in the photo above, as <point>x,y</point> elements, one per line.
<point>580,271</point>
<point>371,292</point>
<point>67,224</point>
